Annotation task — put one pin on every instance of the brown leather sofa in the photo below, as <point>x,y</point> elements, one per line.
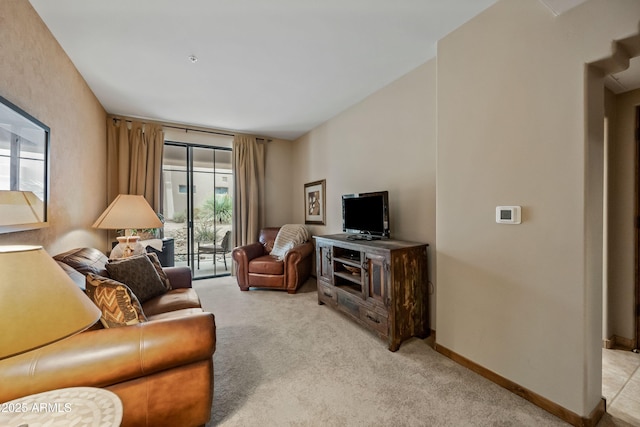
<point>162,369</point>
<point>256,268</point>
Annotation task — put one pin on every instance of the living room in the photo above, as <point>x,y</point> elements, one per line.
<point>500,117</point>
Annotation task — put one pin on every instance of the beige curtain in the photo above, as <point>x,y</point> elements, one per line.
<point>134,160</point>
<point>248,202</point>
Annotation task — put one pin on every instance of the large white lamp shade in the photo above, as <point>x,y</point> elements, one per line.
<point>20,207</point>
<point>128,211</point>
<point>39,303</point>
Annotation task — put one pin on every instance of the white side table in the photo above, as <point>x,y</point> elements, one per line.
<point>75,406</point>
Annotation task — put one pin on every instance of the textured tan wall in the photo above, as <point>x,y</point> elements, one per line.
<point>38,77</point>
<point>525,301</point>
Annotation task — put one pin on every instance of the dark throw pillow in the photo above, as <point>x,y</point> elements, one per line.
<point>118,304</point>
<point>139,274</point>
<point>156,264</point>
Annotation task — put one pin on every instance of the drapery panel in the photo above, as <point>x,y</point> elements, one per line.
<point>249,182</point>
<point>134,160</point>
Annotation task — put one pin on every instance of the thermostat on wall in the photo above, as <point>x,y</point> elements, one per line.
<point>508,214</point>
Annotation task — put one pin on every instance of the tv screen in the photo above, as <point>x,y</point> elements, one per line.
<point>366,213</point>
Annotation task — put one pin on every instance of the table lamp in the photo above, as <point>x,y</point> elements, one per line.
<point>128,212</point>
<point>20,207</point>
<point>39,302</point>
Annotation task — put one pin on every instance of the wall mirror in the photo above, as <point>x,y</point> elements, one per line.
<point>24,170</point>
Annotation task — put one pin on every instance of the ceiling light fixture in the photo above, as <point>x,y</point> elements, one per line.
<point>193,59</point>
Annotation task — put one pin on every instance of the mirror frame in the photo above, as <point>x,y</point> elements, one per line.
<point>12,114</point>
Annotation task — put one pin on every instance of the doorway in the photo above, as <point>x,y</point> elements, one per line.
<point>197,205</point>
<point>621,246</point>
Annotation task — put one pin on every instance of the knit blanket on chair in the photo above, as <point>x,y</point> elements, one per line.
<point>290,235</point>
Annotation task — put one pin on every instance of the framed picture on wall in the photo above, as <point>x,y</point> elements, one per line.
<point>314,202</point>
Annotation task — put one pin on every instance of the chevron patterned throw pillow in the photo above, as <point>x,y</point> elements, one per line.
<point>118,304</point>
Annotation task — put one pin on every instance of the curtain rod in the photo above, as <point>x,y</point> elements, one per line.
<point>198,130</point>
<point>191,130</point>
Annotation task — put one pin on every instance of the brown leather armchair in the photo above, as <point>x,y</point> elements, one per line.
<point>256,268</point>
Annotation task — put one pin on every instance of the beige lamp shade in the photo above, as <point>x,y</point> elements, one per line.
<point>39,303</point>
<point>128,211</point>
<point>20,207</point>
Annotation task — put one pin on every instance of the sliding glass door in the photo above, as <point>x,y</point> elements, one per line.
<point>197,206</point>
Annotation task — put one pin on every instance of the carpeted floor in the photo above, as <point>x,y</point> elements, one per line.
<point>284,360</point>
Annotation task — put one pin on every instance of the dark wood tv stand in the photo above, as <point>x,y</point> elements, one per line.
<point>380,284</point>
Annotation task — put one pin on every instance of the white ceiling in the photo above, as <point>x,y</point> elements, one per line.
<point>274,68</point>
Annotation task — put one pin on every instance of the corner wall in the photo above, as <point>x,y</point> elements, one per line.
<point>524,301</point>
<point>386,142</point>
<point>38,77</point>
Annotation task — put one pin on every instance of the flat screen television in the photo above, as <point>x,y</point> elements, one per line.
<point>366,215</point>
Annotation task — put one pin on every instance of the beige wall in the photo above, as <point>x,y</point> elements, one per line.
<point>38,77</point>
<point>621,209</point>
<point>278,183</point>
<point>386,142</point>
<point>525,301</point>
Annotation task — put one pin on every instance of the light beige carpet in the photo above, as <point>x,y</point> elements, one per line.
<point>284,360</point>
